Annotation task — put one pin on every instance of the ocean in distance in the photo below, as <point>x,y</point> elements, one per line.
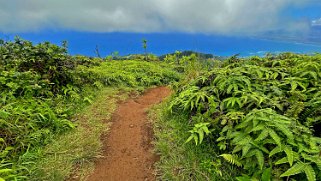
<point>162,43</point>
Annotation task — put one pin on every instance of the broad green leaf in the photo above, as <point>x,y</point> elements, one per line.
<point>266,176</point>
<point>205,129</point>
<point>195,139</point>
<point>189,138</point>
<point>201,135</point>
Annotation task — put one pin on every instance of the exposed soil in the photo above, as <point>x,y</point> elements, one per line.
<point>127,153</point>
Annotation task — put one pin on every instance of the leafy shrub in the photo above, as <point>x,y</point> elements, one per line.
<point>263,113</point>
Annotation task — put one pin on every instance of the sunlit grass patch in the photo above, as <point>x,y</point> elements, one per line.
<point>73,153</point>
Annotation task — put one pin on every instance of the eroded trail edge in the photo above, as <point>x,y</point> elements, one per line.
<point>127,153</point>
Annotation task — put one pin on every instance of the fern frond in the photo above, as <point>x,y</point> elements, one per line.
<point>260,158</point>
<point>246,140</point>
<point>318,163</point>
<point>257,128</point>
<point>233,159</point>
<point>268,141</point>
<point>275,137</point>
<point>238,136</point>
<point>245,149</point>
<point>285,130</point>
<point>289,153</point>
<point>237,148</point>
<point>281,161</point>
<point>309,172</point>
<point>262,135</point>
<point>276,150</point>
<point>295,169</point>
<point>244,123</point>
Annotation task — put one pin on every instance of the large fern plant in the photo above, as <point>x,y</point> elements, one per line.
<point>264,114</point>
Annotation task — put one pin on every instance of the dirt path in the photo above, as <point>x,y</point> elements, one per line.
<point>128,149</point>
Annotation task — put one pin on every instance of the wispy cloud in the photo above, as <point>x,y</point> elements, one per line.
<point>316,22</point>
<point>207,16</point>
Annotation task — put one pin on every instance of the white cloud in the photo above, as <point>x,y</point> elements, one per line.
<point>316,22</point>
<point>206,16</point>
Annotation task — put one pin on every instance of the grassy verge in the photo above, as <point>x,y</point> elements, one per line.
<point>180,161</point>
<point>72,154</point>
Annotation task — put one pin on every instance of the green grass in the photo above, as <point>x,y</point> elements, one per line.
<point>180,161</point>
<point>72,154</point>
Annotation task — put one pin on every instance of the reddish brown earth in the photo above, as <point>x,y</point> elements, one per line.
<point>127,148</point>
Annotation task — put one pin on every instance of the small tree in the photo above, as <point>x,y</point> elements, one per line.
<point>97,51</point>
<point>145,47</point>
<point>178,56</point>
<point>65,46</point>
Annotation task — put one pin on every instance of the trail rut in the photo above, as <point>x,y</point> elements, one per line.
<point>127,154</point>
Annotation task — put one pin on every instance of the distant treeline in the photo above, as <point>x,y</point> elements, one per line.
<point>201,56</point>
<point>189,52</point>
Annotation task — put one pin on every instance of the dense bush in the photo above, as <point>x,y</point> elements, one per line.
<point>263,113</point>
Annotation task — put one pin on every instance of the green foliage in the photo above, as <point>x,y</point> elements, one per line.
<point>263,113</point>
<point>233,159</point>
<point>33,107</point>
<point>130,73</point>
<point>181,161</point>
<point>41,88</point>
<point>197,133</point>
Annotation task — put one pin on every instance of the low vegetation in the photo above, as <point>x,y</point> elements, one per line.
<point>262,115</point>
<point>72,154</point>
<point>42,88</point>
<point>245,119</point>
<point>182,161</point>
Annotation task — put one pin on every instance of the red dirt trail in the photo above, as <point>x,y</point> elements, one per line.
<point>127,150</point>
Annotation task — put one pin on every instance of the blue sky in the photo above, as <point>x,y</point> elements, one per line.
<point>213,26</point>
<point>311,10</point>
